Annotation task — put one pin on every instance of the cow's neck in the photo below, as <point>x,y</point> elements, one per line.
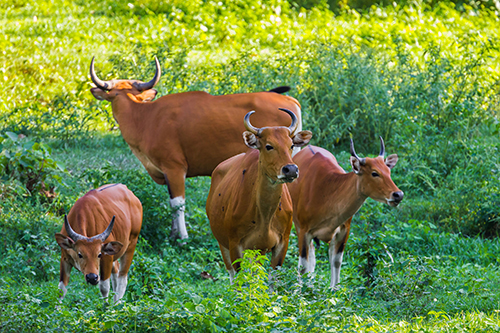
<point>268,197</point>
<point>348,198</point>
<point>128,114</point>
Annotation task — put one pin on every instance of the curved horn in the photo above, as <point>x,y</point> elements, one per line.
<point>353,153</point>
<point>103,85</point>
<point>382,147</point>
<point>71,233</point>
<point>294,125</point>
<point>102,237</point>
<point>153,82</point>
<point>249,126</point>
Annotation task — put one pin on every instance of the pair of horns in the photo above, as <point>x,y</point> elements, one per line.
<point>363,160</point>
<point>75,236</point>
<point>108,85</point>
<point>255,130</point>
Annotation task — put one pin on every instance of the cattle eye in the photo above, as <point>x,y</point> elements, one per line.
<point>269,147</point>
<point>374,174</point>
<point>80,255</point>
<point>99,255</point>
<point>292,146</point>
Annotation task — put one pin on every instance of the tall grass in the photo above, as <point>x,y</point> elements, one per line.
<point>424,77</point>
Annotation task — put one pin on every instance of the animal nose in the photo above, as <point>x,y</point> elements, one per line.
<point>92,278</point>
<point>398,196</point>
<point>290,171</point>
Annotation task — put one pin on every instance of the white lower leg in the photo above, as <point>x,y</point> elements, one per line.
<point>121,285</point>
<point>232,273</point>
<point>178,223</point>
<point>104,287</point>
<point>307,264</point>
<point>114,283</point>
<point>335,264</point>
<point>312,258</point>
<point>62,287</point>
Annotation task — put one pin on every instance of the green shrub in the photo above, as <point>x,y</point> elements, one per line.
<point>30,163</point>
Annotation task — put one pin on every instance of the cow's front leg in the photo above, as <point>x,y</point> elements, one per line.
<point>106,268</point>
<point>307,258</point>
<point>65,270</point>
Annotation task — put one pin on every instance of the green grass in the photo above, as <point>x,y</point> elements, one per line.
<point>426,78</point>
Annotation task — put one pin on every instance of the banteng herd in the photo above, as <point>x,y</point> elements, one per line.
<point>262,183</point>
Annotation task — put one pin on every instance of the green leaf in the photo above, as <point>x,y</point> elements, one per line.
<point>12,136</point>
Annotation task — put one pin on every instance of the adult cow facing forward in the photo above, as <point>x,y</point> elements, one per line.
<point>325,198</point>
<point>186,134</point>
<point>102,227</point>
<point>248,205</point>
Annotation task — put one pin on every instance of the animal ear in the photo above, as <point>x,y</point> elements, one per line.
<point>146,96</point>
<point>391,161</point>
<point>100,94</point>
<point>64,241</point>
<point>302,138</point>
<point>251,140</point>
<point>111,248</point>
<point>356,165</point>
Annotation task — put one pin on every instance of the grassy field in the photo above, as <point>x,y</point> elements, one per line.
<point>426,78</point>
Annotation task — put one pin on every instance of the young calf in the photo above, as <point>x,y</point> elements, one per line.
<point>248,205</point>
<point>92,246</point>
<point>325,198</point>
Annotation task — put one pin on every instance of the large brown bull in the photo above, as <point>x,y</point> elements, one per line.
<point>186,134</point>
<point>248,205</point>
<point>325,198</point>
<point>92,244</point>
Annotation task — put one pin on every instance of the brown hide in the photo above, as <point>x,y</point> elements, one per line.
<point>193,131</point>
<point>248,205</point>
<point>186,134</point>
<point>90,216</point>
<point>325,196</point>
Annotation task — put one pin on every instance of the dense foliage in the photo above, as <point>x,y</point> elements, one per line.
<point>425,76</point>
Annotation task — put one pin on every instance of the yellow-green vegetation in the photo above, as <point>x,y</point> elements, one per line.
<point>425,76</point>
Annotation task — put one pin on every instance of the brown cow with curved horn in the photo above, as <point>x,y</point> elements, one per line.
<point>248,205</point>
<point>186,134</point>
<point>325,198</point>
<point>94,253</point>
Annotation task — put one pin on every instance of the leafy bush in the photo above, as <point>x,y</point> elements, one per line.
<point>30,163</point>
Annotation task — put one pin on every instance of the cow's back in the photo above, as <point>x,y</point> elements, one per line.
<point>316,166</point>
<point>200,131</point>
<point>92,213</point>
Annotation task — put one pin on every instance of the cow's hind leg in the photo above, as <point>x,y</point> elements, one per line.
<point>121,278</point>
<point>227,261</point>
<point>114,274</point>
<point>176,188</point>
<point>336,251</point>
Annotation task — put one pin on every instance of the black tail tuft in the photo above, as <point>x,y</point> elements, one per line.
<point>316,240</point>
<point>280,90</point>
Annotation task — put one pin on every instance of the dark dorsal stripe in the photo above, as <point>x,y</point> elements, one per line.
<point>104,188</point>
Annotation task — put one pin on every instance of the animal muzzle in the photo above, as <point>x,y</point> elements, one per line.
<point>288,173</point>
<point>92,278</point>
<point>395,198</point>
